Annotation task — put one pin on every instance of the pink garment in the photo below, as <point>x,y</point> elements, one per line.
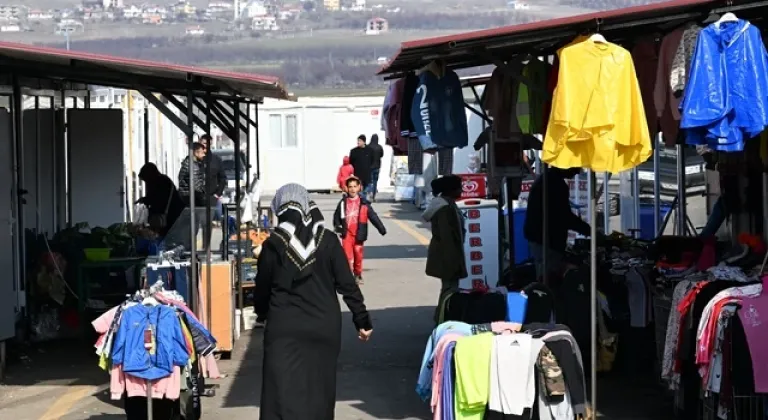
<point>101,325</point>
<point>754,319</point>
<point>502,327</point>
<point>437,371</point>
<point>119,383</point>
<point>209,362</point>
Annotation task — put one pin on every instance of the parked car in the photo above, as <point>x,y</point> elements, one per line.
<point>694,170</point>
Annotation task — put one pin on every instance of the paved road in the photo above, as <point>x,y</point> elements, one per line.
<point>375,380</point>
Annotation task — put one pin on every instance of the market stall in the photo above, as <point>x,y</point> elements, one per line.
<point>652,70</point>
<point>71,252</point>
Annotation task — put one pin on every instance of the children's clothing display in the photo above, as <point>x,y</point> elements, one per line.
<point>150,345</point>
<point>607,132</point>
<point>726,97</point>
<point>437,110</point>
<point>495,371</point>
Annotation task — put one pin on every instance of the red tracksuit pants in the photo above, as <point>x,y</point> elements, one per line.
<point>354,251</point>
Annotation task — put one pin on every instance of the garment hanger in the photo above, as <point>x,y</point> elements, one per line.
<point>596,37</point>
<point>712,18</point>
<point>150,301</point>
<point>728,17</point>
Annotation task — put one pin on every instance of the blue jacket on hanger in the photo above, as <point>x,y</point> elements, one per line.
<point>438,112</point>
<point>129,348</point>
<point>726,98</point>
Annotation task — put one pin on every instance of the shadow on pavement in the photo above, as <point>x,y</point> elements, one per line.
<point>375,378</point>
<point>58,362</point>
<point>373,252</point>
<point>407,211</point>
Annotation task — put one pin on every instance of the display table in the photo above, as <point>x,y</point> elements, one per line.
<point>109,280</point>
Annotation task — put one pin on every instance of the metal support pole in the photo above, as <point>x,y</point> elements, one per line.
<point>193,296</point>
<point>593,299</point>
<point>208,269</point>
<point>545,225</point>
<point>38,192</point>
<point>17,108</point>
<point>146,133</point>
<point>54,163</point>
<point>636,194</point>
<point>606,204</point>
<point>67,162</point>
<point>238,218</point>
<point>681,200</point>
<point>258,156</point>
<point>656,187</point>
<point>248,149</point>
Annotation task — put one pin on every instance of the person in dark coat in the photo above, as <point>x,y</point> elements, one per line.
<point>378,153</point>
<point>196,165</point>
<point>445,256</point>
<point>560,217</point>
<point>215,184</point>
<point>161,198</point>
<point>361,158</point>
<point>300,271</point>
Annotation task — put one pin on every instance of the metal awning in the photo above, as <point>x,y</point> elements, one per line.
<point>56,64</point>
<point>478,48</point>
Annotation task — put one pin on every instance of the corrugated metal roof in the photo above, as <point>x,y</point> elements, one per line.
<point>476,48</point>
<point>96,69</point>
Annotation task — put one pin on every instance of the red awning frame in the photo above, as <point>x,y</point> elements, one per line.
<point>95,69</point>
<point>478,48</point>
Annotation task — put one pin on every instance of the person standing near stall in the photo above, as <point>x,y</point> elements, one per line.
<point>162,199</point>
<point>378,152</point>
<point>301,269</point>
<point>215,183</point>
<point>559,216</point>
<point>445,256</point>
<point>361,158</point>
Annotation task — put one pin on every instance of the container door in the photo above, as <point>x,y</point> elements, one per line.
<point>8,298</point>
<point>96,166</point>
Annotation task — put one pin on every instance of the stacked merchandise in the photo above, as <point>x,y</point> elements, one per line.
<point>151,346</point>
<point>424,113</point>
<point>502,370</point>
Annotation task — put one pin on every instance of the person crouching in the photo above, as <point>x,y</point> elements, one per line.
<point>350,221</point>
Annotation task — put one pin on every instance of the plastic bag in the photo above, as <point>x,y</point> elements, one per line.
<point>140,214</point>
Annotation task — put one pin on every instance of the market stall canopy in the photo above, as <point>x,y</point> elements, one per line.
<point>479,48</point>
<point>32,61</point>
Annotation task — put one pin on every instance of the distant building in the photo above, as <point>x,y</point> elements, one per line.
<point>112,4</point>
<point>264,23</point>
<point>360,4</point>
<point>10,28</point>
<point>40,15</point>
<point>376,26</point>
<point>332,5</point>
<point>195,31</point>
<point>254,9</point>
<point>518,5</point>
<point>132,12</point>
<point>12,13</point>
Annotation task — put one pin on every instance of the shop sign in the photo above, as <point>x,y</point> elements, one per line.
<point>481,248</point>
<point>473,186</point>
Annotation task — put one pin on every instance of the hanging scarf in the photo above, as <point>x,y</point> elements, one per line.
<point>300,226</point>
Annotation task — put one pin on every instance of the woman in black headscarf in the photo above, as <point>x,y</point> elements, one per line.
<point>301,269</point>
<point>161,197</point>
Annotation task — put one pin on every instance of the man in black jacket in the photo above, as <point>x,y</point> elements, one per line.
<point>559,216</point>
<point>196,165</point>
<point>215,183</point>
<point>361,158</point>
<point>378,152</point>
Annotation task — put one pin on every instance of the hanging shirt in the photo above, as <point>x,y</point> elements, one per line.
<point>424,382</point>
<point>513,383</point>
<point>534,95</point>
<point>440,369</point>
<point>665,102</point>
<point>447,393</point>
<point>437,111</point>
<point>352,215</point>
<point>598,120</point>
<point>726,99</point>
<point>754,318</point>
<point>473,368</point>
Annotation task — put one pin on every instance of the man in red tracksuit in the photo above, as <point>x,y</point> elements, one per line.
<point>351,223</point>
